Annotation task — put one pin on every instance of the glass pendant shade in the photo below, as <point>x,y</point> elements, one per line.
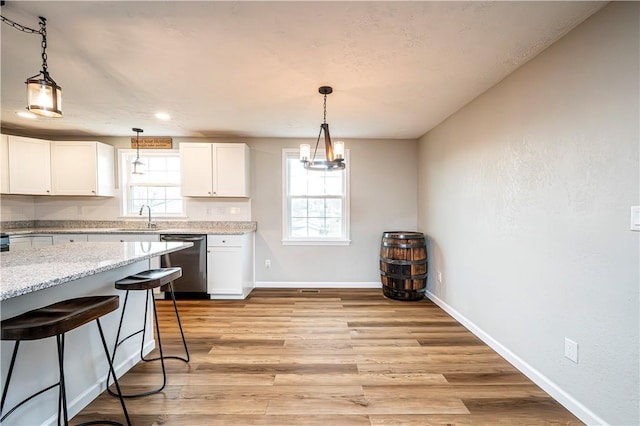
<point>44,97</point>
<point>338,150</point>
<point>137,163</point>
<point>305,152</point>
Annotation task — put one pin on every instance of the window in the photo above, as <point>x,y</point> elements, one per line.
<point>316,203</point>
<point>158,186</point>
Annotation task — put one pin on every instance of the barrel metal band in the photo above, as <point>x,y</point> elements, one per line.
<point>404,277</point>
<point>402,262</point>
<point>403,245</point>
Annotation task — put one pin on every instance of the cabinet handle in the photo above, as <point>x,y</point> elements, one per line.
<point>72,241</point>
<point>48,191</point>
<point>93,192</point>
<point>122,241</point>
<point>224,241</point>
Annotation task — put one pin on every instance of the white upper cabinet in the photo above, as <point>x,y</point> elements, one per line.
<point>4,164</point>
<point>82,168</point>
<point>29,162</point>
<point>41,167</point>
<point>214,169</point>
<point>196,170</point>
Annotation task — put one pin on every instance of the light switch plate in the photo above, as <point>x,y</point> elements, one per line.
<point>635,218</point>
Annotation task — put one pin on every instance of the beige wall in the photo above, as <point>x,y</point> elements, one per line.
<point>525,196</point>
<point>383,197</point>
<point>383,180</point>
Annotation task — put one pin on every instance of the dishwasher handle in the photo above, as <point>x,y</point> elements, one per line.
<point>181,238</point>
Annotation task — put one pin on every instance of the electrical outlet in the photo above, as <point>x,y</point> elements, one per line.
<point>571,350</point>
<point>267,263</point>
<point>635,218</point>
<point>439,276</point>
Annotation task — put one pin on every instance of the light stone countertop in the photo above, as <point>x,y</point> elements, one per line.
<point>26,271</point>
<point>127,227</point>
<point>192,231</point>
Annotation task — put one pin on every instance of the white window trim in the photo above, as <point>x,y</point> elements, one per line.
<point>311,241</point>
<point>125,167</point>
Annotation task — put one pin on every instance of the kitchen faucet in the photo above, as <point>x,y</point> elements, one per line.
<point>149,224</point>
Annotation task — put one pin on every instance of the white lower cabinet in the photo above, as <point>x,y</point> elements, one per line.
<point>124,238</point>
<point>69,238</point>
<point>230,267</point>
<point>25,242</point>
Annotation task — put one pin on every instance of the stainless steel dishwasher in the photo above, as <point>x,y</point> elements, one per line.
<point>193,261</point>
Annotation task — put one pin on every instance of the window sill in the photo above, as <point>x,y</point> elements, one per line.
<point>316,242</point>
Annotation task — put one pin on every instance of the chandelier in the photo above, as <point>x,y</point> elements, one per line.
<point>334,152</point>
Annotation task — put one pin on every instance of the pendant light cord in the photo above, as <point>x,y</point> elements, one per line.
<point>21,27</point>
<point>320,134</point>
<point>325,108</point>
<point>43,32</point>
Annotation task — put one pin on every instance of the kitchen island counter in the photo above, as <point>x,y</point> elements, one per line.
<point>38,277</point>
<point>27,271</point>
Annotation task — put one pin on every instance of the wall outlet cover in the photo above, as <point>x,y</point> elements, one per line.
<point>635,218</point>
<point>571,350</point>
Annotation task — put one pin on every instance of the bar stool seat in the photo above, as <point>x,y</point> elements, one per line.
<point>56,320</point>
<point>147,281</point>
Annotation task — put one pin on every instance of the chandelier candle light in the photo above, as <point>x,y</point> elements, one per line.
<point>334,152</point>
<point>44,96</point>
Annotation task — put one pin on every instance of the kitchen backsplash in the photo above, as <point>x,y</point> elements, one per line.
<point>18,208</point>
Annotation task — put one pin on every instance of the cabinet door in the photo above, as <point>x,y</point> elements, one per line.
<point>68,238</point>
<point>196,170</point>
<point>25,242</point>
<point>4,164</point>
<point>224,266</point>
<point>92,171</point>
<point>41,241</point>
<point>29,166</point>
<point>231,168</point>
<point>19,243</point>
<point>123,238</point>
<point>105,172</point>
<point>74,168</point>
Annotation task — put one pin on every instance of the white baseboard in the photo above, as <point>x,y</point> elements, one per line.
<point>315,284</point>
<point>564,398</point>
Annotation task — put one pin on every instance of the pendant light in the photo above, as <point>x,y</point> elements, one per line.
<point>137,163</point>
<point>334,152</point>
<point>44,96</point>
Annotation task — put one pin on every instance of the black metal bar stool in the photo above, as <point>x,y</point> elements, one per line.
<point>148,280</point>
<point>56,320</point>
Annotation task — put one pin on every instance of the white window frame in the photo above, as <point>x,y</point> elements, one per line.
<point>287,239</point>
<point>125,169</point>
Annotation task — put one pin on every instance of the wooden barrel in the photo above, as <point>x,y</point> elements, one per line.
<point>403,265</point>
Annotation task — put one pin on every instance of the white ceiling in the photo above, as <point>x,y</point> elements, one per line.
<point>253,69</point>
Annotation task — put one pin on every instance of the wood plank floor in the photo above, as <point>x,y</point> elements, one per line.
<point>328,357</point>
